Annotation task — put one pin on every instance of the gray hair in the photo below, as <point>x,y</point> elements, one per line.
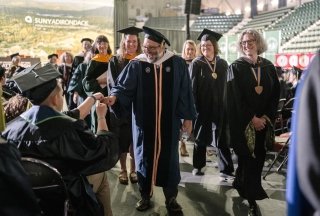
<point>260,42</point>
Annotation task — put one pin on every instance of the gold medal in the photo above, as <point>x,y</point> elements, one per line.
<point>214,75</point>
<point>259,89</point>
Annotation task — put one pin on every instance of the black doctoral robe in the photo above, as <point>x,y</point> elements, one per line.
<point>96,67</point>
<point>93,71</point>
<point>209,97</point>
<point>159,99</point>
<point>243,103</point>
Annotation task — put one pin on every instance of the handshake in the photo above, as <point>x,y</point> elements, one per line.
<point>110,100</point>
<point>101,103</point>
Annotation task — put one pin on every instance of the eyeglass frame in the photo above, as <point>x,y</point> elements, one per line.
<point>249,42</point>
<point>206,45</point>
<point>151,48</point>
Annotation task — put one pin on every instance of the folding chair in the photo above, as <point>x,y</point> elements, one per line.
<point>279,123</point>
<point>49,187</point>
<point>283,153</point>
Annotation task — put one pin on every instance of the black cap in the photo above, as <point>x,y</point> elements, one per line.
<point>51,55</point>
<point>130,30</point>
<point>207,34</point>
<point>86,39</point>
<point>14,55</point>
<point>37,84</point>
<point>154,35</point>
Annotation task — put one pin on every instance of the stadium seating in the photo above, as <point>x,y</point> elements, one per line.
<point>306,41</point>
<point>219,23</point>
<point>300,19</point>
<point>265,19</point>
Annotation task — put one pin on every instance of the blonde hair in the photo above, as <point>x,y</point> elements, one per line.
<point>260,42</point>
<point>190,42</point>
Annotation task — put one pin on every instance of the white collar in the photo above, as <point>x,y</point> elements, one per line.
<point>167,54</point>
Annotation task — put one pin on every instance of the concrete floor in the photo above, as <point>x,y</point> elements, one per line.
<point>200,195</point>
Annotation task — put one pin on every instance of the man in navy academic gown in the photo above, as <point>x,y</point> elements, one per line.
<point>156,86</point>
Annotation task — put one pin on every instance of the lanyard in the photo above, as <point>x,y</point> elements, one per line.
<point>255,75</point>
<point>213,70</point>
<point>257,88</point>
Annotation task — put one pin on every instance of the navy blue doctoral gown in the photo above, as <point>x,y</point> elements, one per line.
<point>159,97</point>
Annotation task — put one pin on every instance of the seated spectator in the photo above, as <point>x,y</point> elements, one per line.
<point>64,142</point>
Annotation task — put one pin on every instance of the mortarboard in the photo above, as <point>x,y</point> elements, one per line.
<point>86,39</point>
<point>37,84</point>
<point>130,30</point>
<point>13,55</point>
<point>51,55</point>
<point>207,34</point>
<point>154,35</point>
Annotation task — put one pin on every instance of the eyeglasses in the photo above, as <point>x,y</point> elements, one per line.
<point>249,42</point>
<point>205,45</point>
<point>151,48</point>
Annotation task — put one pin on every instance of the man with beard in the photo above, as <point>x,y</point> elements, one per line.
<point>156,86</point>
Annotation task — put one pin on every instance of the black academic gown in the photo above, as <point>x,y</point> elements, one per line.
<point>158,100</point>
<point>16,197</point>
<point>68,145</point>
<point>121,126</point>
<point>76,82</point>
<point>91,85</point>
<point>243,103</point>
<point>209,96</point>
<point>93,71</point>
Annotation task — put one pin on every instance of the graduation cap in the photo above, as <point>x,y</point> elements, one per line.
<point>37,84</point>
<point>207,34</point>
<point>130,30</point>
<point>51,55</point>
<point>14,55</point>
<point>86,39</point>
<point>154,35</point>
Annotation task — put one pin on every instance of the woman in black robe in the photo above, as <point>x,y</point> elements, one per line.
<point>95,79</point>
<point>208,74</point>
<point>188,53</point>
<point>130,47</point>
<point>252,97</point>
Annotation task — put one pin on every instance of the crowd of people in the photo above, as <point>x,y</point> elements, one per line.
<point>141,100</point>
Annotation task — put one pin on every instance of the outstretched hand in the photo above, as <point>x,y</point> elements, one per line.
<point>110,100</point>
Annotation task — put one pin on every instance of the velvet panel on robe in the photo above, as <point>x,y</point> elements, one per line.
<point>94,70</point>
<point>76,80</point>
<point>243,103</point>
<point>209,95</point>
<point>137,88</point>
